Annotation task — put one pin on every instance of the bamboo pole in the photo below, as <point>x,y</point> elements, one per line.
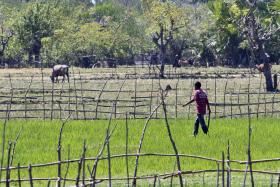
<point>67,167</point>
<point>82,95</point>
<point>8,165</point>
<point>30,175</point>
<point>135,96</point>
<point>228,167</point>
<point>109,159</point>
<point>51,103</point>
<point>25,99</point>
<point>249,139</point>
<point>218,174</point>
<point>140,145</point>
<point>98,99</point>
<point>171,138</point>
<point>225,95</point>
<point>18,175</point>
<point>223,169</point>
<point>43,93</point>
<point>126,148</point>
<point>76,95</point>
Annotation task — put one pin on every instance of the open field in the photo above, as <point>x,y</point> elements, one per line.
<point>91,93</point>
<point>40,147</point>
<point>33,108</point>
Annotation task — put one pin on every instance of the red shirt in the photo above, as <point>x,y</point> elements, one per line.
<point>201,101</point>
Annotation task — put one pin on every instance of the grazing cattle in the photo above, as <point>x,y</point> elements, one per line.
<point>60,70</point>
<point>260,67</point>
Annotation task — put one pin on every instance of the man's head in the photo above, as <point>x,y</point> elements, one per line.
<point>197,85</point>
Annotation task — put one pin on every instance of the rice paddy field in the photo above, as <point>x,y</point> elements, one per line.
<point>33,110</point>
<point>37,144</point>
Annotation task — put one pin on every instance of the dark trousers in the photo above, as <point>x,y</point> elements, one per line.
<point>200,120</point>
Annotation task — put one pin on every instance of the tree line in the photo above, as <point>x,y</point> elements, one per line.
<point>77,32</point>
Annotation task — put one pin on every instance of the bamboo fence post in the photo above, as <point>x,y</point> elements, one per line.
<point>171,138</point>
<point>223,169</point>
<point>117,97</point>
<point>30,175</point>
<point>43,84</point>
<point>67,167</point>
<point>4,135</point>
<point>231,109</point>
<point>59,152</point>
<point>140,145</point>
<point>94,168</point>
<point>8,165</point>
<point>11,98</point>
<point>52,101</point>
<point>79,172</point>
<point>84,163</point>
<point>238,101</point>
<point>218,174</point>
<point>258,107</point>
<point>265,106</point>
<point>135,95</point>
<point>215,94</point>
<point>18,175</point>
<point>82,96</point>
<point>249,139</point>
<point>25,99</point>
<point>69,98</point>
<point>49,183</point>
<point>14,147</point>
<point>98,99</point>
<point>109,160</point>
<point>224,112</point>
<point>228,166</point>
<point>76,95</point>
<point>176,98</point>
<point>155,181</point>
<point>126,148</point>
<point>245,175</point>
<point>172,176</point>
<point>272,104</point>
<point>191,91</point>
<point>151,95</point>
<point>60,99</point>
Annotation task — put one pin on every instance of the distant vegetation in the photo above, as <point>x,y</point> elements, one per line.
<point>35,33</point>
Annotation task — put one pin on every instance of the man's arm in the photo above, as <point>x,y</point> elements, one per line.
<point>188,102</point>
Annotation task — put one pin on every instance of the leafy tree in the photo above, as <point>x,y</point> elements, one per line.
<point>35,23</point>
<point>164,20</point>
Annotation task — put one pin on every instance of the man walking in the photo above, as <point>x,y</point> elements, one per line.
<point>201,100</point>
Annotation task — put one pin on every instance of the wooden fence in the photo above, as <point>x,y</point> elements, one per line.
<point>87,166</point>
<point>90,98</point>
